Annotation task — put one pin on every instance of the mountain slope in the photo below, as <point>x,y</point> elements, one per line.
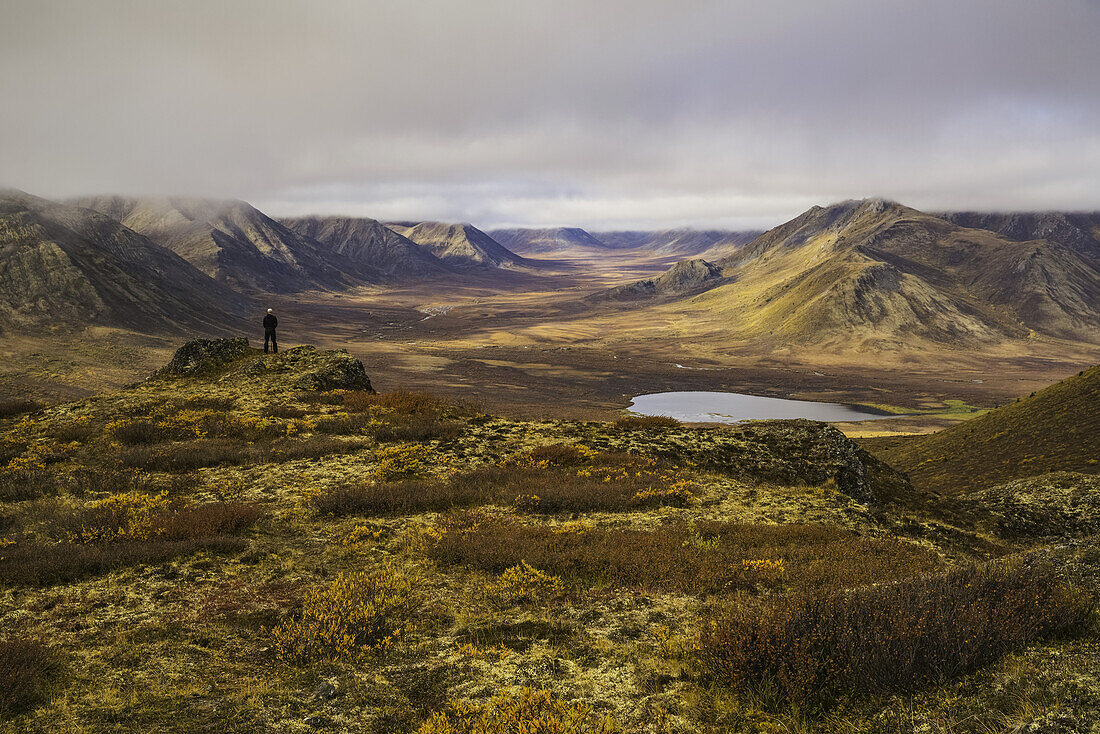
<point>554,240</point>
<point>231,241</point>
<point>461,245</point>
<point>370,243</point>
<point>686,277</point>
<point>66,267</point>
<point>880,274</point>
<point>1055,429</point>
<point>1079,231</point>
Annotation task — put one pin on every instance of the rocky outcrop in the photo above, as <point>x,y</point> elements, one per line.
<point>1055,504</point>
<point>204,357</point>
<point>308,368</point>
<point>791,452</point>
<point>304,368</point>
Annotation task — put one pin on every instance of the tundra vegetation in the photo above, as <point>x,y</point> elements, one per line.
<point>265,545</point>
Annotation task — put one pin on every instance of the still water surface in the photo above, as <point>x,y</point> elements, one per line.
<point>730,407</point>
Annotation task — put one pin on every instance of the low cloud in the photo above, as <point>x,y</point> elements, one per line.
<point>618,114</point>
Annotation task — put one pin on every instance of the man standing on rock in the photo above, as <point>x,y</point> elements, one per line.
<point>270,322</point>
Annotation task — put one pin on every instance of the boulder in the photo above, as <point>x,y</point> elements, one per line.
<point>204,356</point>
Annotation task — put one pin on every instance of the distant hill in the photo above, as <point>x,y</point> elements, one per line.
<point>685,278</point>
<point>66,267</point>
<point>370,243</point>
<point>685,241</point>
<point>555,240</point>
<point>880,273</point>
<point>231,241</point>
<point>1077,230</point>
<point>460,245</point>
<point>1055,429</point>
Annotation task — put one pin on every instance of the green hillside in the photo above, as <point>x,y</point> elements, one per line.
<point>1055,429</point>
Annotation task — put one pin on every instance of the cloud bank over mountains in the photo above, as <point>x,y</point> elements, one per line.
<point>602,115</point>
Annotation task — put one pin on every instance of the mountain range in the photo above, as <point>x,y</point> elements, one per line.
<point>232,242</point>
<point>872,273</point>
<point>65,267</point>
<point>880,273</point>
<point>459,245</point>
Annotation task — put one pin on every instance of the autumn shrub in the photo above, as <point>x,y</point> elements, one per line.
<point>712,557</point>
<point>547,480</point>
<point>207,452</point>
<point>898,636</point>
<point>524,583</point>
<point>208,520</point>
<point>15,407</point>
<point>188,455</point>
<point>141,516</point>
<point>26,667</point>
<point>397,498</point>
<point>80,429</point>
<point>122,530</point>
<point>342,424</point>
<point>312,447</point>
<point>528,710</point>
<point>43,564</point>
<point>642,422</point>
<point>400,401</point>
<point>356,615</point>
<point>284,411</point>
<point>415,428</point>
<point>26,477</point>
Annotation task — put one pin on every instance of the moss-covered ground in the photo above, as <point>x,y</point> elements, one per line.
<point>240,551</point>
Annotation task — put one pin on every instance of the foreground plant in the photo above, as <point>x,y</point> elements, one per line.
<point>901,636</point>
<point>529,710</point>
<point>357,615</point>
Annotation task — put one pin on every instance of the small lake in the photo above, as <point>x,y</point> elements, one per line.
<point>731,407</point>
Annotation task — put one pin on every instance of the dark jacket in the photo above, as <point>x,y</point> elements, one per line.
<point>270,322</point>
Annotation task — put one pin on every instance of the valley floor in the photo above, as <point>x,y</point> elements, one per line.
<point>528,344</point>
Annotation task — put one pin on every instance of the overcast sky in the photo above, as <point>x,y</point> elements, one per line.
<point>598,114</point>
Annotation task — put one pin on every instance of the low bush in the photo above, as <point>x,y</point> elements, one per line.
<point>710,557</point>
<point>550,479</point>
<point>355,616</point>
<point>79,429</point>
<point>642,422</point>
<point>15,407</point>
<point>890,637</point>
<point>416,428</point>
<point>26,667</point>
<point>43,564</point>
<point>397,498</point>
<point>207,452</point>
<point>525,584</point>
<point>399,401</point>
<point>528,710</point>
<point>285,411</point>
<point>342,424</point>
<point>122,530</point>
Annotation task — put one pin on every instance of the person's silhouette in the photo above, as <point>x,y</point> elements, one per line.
<point>270,322</point>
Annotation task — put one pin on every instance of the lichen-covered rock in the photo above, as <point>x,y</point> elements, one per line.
<point>204,356</point>
<point>784,452</point>
<point>328,370</point>
<point>1055,504</point>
